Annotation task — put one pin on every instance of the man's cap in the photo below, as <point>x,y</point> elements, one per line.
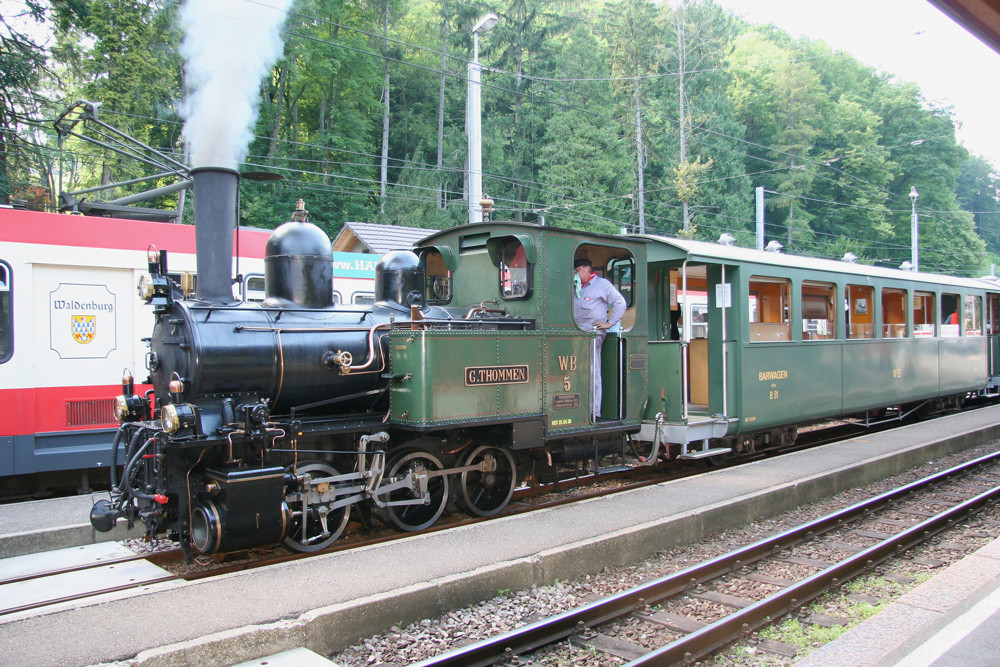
<point>583,261</point>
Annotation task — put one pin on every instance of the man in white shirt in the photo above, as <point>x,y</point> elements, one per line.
<point>593,300</point>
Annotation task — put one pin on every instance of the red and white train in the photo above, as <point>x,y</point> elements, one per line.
<point>71,321</point>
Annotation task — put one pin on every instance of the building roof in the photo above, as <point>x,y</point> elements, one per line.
<point>377,239</point>
<point>980,17</point>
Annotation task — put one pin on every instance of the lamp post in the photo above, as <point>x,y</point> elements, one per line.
<point>474,120</point>
<point>914,232</point>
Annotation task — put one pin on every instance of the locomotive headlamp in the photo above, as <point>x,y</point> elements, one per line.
<point>154,289</point>
<point>146,289</point>
<point>129,408</point>
<point>175,417</point>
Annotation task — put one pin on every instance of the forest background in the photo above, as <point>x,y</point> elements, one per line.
<point>632,115</point>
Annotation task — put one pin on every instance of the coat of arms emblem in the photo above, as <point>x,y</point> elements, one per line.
<point>84,328</point>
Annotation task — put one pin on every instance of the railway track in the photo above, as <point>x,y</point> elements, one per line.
<point>863,535</point>
<point>69,575</point>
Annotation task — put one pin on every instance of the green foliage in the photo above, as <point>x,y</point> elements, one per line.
<point>836,145</point>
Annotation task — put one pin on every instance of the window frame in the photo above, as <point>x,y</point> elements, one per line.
<point>889,296</point>
<point>853,293</point>
<point>927,308</point>
<point>6,313</point>
<point>772,334</point>
<point>829,290</point>
<point>505,271</point>
<point>972,315</point>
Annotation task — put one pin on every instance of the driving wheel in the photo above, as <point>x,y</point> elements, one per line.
<point>408,518</point>
<point>314,525</point>
<point>486,493</point>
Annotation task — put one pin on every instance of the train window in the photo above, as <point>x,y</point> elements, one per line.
<point>860,302</point>
<point>337,298</point>
<point>514,271</point>
<point>923,314</point>
<point>363,298</point>
<point>253,287</point>
<point>819,315</point>
<point>972,322</point>
<point>437,289</point>
<point>769,308</point>
<point>949,316</point>
<point>894,313</point>
<point>6,313</point>
<point>621,272</point>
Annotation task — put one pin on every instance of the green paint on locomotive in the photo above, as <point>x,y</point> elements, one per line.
<point>528,360</point>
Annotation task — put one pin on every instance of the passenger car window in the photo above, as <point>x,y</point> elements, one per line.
<point>6,313</point>
<point>860,304</point>
<point>819,314</point>
<point>923,314</point>
<point>769,309</point>
<point>949,316</point>
<point>894,313</point>
<point>973,320</point>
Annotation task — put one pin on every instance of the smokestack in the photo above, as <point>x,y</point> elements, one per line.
<point>214,219</point>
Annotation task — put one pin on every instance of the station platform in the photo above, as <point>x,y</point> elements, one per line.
<point>328,602</point>
<point>951,620</point>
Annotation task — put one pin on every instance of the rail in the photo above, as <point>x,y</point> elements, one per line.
<point>730,628</point>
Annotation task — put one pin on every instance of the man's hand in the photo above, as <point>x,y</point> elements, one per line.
<point>603,325</point>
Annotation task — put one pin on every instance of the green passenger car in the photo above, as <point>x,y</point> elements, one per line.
<point>782,340</point>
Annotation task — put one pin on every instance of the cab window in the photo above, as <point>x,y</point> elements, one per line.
<point>972,322</point>
<point>894,313</point>
<point>514,271</point>
<point>6,313</point>
<point>437,288</point>
<point>860,304</point>
<point>621,272</point>
<point>769,309</point>
<point>819,315</point>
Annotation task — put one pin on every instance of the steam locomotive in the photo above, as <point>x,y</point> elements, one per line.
<point>271,422</point>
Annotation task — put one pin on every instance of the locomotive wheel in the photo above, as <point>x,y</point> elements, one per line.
<point>409,518</point>
<point>310,513</point>
<point>487,493</point>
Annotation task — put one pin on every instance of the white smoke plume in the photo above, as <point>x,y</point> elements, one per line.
<point>228,47</point>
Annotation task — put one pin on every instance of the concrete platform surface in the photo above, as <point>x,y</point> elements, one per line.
<point>327,602</point>
<point>58,523</point>
<point>950,620</point>
<point>299,657</point>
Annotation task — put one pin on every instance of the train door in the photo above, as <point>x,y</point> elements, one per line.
<point>610,351</point>
<point>689,302</point>
<point>694,311</point>
<point>993,337</point>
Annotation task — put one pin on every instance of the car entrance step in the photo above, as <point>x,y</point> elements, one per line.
<point>705,453</point>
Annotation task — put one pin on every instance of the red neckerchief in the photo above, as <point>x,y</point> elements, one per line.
<point>582,284</point>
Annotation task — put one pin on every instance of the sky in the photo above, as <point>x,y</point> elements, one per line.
<point>911,39</point>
